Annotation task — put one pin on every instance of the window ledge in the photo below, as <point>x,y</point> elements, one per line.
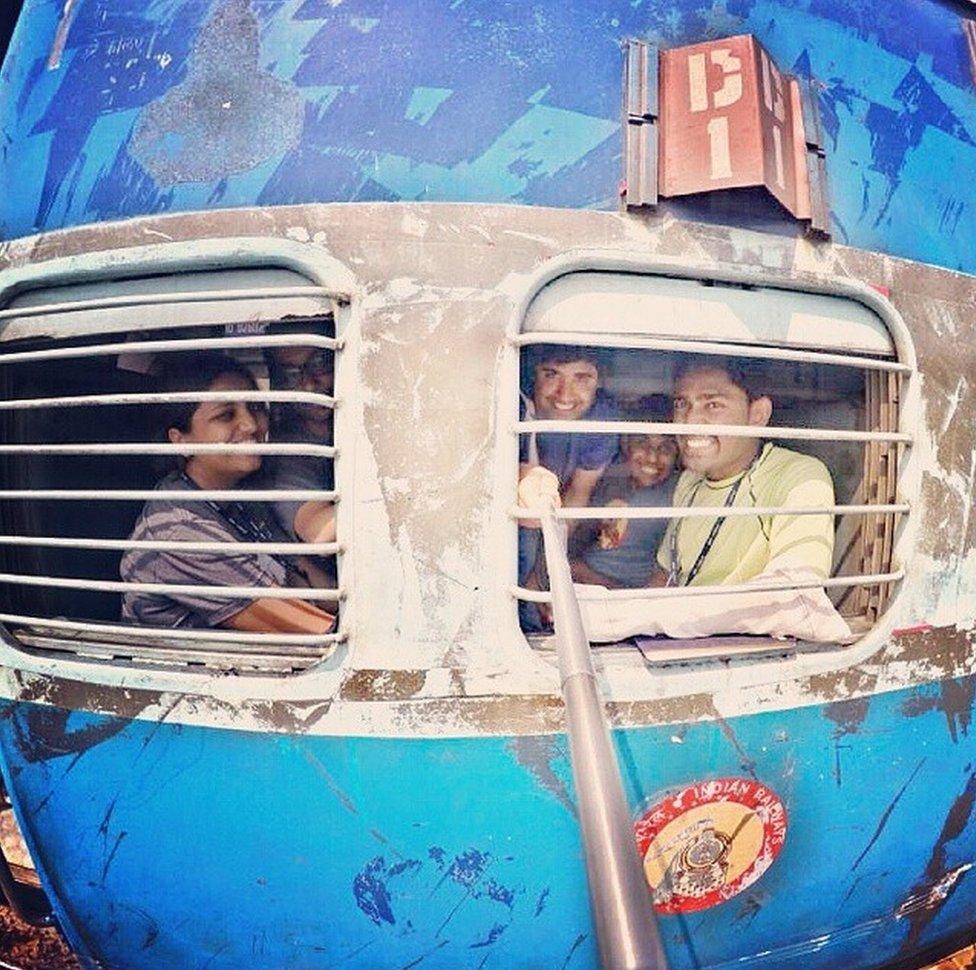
<point>665,650</point>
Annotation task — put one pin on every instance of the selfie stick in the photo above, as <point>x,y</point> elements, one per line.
<point>626,927</point>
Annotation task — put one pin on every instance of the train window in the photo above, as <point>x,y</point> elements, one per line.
<point>167,488</point>
<point>782,525</point>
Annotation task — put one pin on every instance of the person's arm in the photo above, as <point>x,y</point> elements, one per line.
<point>315,522</point>
<point>806,614</point>
<point>803,542</point>
<point>582,573</point>
<point>800,552</point>
<point>281,616</point>
<point>658,578</point>
<point>579,490</point>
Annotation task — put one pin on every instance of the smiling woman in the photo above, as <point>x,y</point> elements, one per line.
<point>199,426</point>
<point>214,422</point>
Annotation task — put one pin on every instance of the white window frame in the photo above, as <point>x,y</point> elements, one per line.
<point>327,280</point>
<point>904,361</point>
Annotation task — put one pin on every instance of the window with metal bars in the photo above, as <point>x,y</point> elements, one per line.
<point>830,368</point>
<point>111,524</point>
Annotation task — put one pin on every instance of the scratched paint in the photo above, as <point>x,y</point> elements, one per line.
<point>469,101</point>
<point>437,687</point>
<point>227,116</point>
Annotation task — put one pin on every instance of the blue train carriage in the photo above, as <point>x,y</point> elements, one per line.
<point>429,193</point>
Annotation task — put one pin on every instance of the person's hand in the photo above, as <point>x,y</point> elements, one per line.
<point>538,488</point>
<point>545,613</point>
<point>613,531</point>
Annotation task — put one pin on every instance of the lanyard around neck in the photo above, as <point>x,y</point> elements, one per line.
<point>674,558</point>
<point>249,528</point>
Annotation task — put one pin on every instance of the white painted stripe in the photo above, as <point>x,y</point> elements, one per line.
<point>271,548</point>
<point>191,589</point>
<point>718,512</point>
<point>146,448</point>
<point>94,400</point>
<point>181,495</point>
<point>171,346</point>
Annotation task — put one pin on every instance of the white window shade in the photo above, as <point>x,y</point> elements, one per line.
<point>125,311</point>
<point>596,303</point>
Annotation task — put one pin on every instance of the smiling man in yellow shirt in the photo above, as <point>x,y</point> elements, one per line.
<point>786,550</point>
<point>737,472</point>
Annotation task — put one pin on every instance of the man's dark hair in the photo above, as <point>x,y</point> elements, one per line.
<point>193,372</point>
<point>749,375</point>
<point>535,355</point>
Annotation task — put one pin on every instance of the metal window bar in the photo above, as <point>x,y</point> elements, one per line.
<point>640,342</point>
<point>96,400</point>
<point>251,648</point>
<point>197,495</point>
<point>152,448</point>
<point>718,512</point>
<point>667,592</point>
<point>196,635</point>
<point>158,299</point>
<point>162,545</point>
<point>882,397</point>
<point>725,430</point>
<point>173,346</point>
<point>331,595</point>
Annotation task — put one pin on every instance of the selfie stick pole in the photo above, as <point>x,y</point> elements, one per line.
<point>627,932</point>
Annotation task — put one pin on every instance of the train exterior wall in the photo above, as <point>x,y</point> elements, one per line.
<point>174,846</point>
<point>418,782</point>
<point>409,802</point>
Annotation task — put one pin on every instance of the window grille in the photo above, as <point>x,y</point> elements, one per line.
<point>825,354</point>
<point>78,370</point>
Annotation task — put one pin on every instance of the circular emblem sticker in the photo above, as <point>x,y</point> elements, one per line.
<point>705,843</point>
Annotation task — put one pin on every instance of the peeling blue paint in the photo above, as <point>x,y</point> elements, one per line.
<point>472,101</point>
<point>424,102</point>
<point>491,882</point>
<point>371,893</point>
<point>227,116</point>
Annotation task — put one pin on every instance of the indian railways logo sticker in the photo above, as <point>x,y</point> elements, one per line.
<point>705,843</point>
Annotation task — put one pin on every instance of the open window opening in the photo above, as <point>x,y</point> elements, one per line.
<point>616,373</point>
<point>167,472</point>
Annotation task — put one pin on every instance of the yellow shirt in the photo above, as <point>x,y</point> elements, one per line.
<point>746,545</point>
